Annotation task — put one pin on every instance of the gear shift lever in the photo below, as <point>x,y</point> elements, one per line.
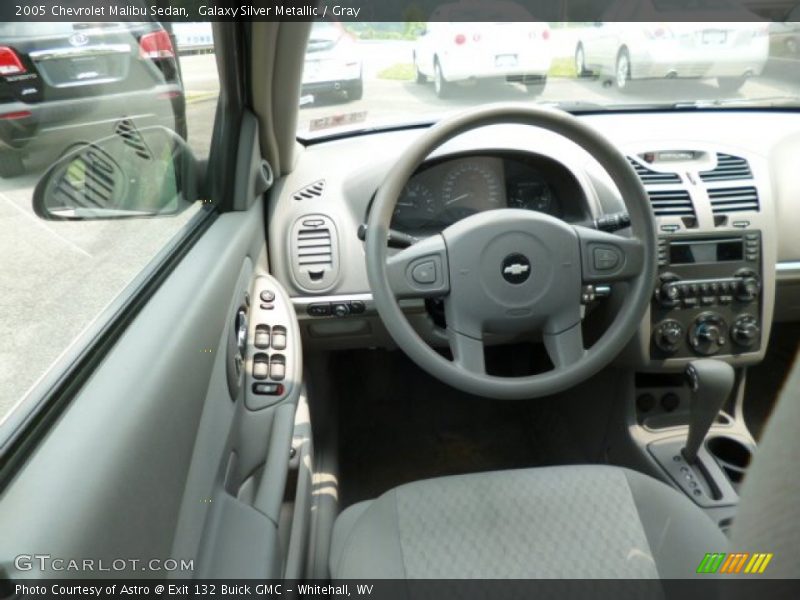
<point>711,382</point>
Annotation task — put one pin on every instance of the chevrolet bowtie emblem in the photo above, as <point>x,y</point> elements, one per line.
<point>516,269</point>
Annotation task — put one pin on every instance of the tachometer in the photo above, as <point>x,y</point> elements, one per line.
<point>472,186</point>
<point>416,202</point>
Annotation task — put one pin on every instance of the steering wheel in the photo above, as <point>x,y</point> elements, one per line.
<point>511,270</point>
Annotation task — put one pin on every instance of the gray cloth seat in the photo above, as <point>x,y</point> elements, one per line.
<point>555,522</point>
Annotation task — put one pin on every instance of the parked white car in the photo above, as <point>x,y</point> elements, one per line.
<point>625,51</point>
<point>332,62</point>
<point>517,52</point>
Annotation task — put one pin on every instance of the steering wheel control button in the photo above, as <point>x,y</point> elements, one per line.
<point>267,296</point>
<point>319,309</point>
<point>516,268</point>
<point>606,258</point>
<point>279,338</point>
<point>424,273</point>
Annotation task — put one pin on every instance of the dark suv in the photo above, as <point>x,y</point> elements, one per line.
<point>62,83</point>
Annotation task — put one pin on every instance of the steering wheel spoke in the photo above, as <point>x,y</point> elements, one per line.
<point>421,270</point>
<point>465,337</point>
<point>606,258</point>
<point>468,352</point>
<point>565,347</point>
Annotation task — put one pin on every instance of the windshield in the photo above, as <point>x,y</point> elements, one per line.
<point>365,75</point>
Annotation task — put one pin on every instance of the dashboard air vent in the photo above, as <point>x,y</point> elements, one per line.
<point>733,199</point>
<point>729,168</point>
<point>671,203</point>
<point>313,190</point>
<point>314,253</point>
<point>314,247</point>
<point>650,177</point>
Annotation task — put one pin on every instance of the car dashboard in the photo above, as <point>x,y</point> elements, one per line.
<point>721,188</point>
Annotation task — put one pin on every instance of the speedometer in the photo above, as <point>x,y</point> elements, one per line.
<point>472,186</point>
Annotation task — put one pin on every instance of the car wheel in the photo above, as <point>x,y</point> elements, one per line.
<point>580,62</point>
<point>440,84</point>
<point>356,90</point>
<point>419,76</point>
<point>11,164</point>
<point>622,73</point>
<point>730,85</point>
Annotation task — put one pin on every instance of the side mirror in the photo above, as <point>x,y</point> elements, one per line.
<point>134,173</point>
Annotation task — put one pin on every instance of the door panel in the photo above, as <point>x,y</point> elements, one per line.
<point>110,478</point>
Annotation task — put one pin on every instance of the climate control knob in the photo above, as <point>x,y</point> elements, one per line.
<point>745,331</point>
<point>667,335</point>
<point>708,333</point>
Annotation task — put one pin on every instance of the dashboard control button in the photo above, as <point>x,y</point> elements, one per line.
<point>340,309</point>
<point>279,338</point>
<point>268,389</point>
<point>708,300</point>
<point>357,307</point>
<point>748,289</point>
<point>424,273</point>
<point>319,310</point>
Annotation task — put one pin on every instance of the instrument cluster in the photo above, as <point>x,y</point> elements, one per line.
<point>444,191</point>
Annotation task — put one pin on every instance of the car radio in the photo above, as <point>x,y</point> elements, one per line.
<point>707,298</point>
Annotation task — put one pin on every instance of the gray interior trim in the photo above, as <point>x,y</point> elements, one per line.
<point>117,461</point>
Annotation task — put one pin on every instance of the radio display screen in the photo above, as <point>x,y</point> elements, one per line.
<point>686,252</point>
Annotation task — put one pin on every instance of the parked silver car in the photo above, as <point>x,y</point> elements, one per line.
<point>626,51</point>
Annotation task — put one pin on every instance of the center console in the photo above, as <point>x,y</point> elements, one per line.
<point>707,299</point>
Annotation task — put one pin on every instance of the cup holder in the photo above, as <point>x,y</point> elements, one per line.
<point>732,455</point>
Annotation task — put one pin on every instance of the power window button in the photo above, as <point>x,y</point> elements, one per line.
<point>279,338</point>
<point>277,368</point>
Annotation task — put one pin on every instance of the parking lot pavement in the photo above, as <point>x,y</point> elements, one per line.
<point>57,277</point>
